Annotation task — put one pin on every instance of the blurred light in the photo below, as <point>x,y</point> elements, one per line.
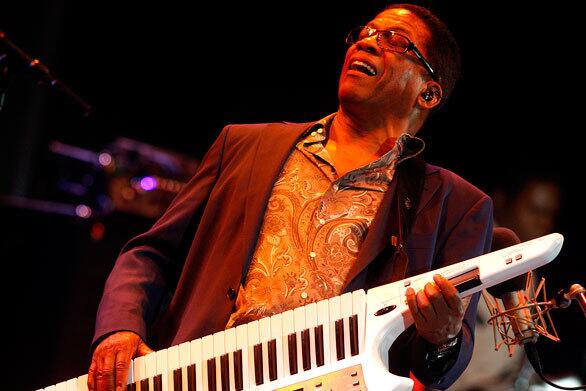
<point>148,183</point>
<point>83,211</point>
<point>97,232</point>
<point>105,159</point>
<point>128,194</point>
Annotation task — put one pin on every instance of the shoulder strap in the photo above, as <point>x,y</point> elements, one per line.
<point>410,179</point>
<point>391,264</point>
<point>411,176</point>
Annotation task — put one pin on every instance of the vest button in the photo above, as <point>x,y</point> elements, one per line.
<point>231,294</point>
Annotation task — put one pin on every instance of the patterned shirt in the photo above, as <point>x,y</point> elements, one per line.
<point>314,226</point>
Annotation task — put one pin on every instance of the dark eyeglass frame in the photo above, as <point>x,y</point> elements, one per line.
<point>354,36</point>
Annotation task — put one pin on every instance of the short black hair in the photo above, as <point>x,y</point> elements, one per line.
<point>442,50</point>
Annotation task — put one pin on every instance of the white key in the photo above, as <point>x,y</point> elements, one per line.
<point>172,364</point>
<point>71,385</point>
<point>197,359</point>
<point>264,335</point>
<point>139,371</point>
<point>207,349</point>
<point>50,388</point>
<point>82,383</point>
<point>219,350</point>
<point>277,335</point>
<point>252,341</point>
<point>163,369</point>
<point>334,305</point>
<point>346,313</point>
<point>323,319</point>
<point>288,328</point>
<point>230,345</point>
<point>130,379</point>
<point>150,363</point>
<point>184,362</point>
<point>299,314</point>
<point>310,323</point>
<point>242,345</point>
<point>61,386</point>
<point>359,308</point>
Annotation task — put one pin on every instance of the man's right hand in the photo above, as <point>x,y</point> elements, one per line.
<point>111,361</point>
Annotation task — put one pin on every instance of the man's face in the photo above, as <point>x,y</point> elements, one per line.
<point>384,79</point>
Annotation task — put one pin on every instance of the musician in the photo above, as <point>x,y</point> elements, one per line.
<point>280,215</point>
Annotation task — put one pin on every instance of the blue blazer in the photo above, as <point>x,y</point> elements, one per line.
<point>178,281</point>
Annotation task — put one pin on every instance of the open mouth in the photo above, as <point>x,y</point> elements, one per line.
<point>363,68</point>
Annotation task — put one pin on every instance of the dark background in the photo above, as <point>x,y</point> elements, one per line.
<point>173,74</point>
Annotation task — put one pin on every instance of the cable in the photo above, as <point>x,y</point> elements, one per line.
<point>533,358</point>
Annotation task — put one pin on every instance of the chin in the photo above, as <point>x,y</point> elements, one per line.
<point>349,95</point>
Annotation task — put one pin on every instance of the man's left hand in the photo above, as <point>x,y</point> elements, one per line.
<point>437,310</point>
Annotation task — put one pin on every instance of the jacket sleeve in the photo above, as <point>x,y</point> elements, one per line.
<point>149,264</point>
<point>470,237</point>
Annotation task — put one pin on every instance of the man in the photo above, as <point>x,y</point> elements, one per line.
<point>280,215</point>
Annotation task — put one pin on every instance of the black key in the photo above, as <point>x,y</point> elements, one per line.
<point>144,385</point>
<point>258,372</point>
<point>212,374</point>
<point>292,344</point>
<point>177,381</point>
<point>225,372</point>
<point>191,378</point>
<point>354,335</point>
<point>158,383</point>
<point>340,354</point>
<point>272,353</point>
<point>238,380</point>
<point>319,345</point>
<point>131,387</point>
<point>305,350</point>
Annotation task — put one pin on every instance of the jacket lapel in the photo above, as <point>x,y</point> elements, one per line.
<point>430,187</point>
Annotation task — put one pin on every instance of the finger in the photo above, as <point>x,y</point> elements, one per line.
<point>412,303</point>
<point>436,298</point>
<point>122,368</point>
<point>425,307</point>
<point>143,349</point>
<point>90,376</point>
<point>105,372</point>
<point>449,292</point>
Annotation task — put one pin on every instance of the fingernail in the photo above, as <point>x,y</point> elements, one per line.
<point>409,291</point>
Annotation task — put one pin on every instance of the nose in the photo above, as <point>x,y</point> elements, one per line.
<point>369,44</point>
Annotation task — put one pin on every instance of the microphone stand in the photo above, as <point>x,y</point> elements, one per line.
<point>40,71</point>
<point>563,300</point>
<point>527,318</point>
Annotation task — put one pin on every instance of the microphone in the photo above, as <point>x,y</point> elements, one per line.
<point>511,292</point>
<point>518,309</point>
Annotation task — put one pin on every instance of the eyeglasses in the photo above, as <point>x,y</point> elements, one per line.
<point>389,40</point>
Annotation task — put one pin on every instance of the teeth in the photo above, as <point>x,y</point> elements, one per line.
<point>359,65</point>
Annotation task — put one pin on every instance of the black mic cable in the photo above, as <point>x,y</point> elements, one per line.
<point>533,357</point>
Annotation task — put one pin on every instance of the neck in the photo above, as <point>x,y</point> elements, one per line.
<point>374,136</point>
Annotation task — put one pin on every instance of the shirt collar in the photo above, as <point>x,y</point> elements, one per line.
<point>406,146</point>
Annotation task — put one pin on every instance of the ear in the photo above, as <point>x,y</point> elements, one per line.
<point>430,95</point>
